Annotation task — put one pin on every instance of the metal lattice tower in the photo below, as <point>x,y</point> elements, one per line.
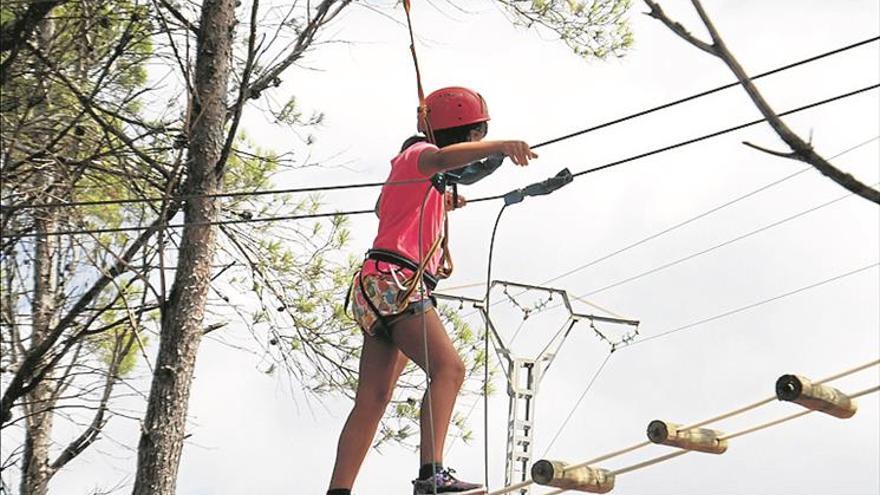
<point>524,374</point>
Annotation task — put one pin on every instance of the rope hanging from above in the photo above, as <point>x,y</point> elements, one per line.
<point>423,124</point>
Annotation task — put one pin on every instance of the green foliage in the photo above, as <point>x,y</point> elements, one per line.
<point>9,11</point>
<point>37,108</point>
<point>119,344</point>
<point>291,115</point>
<point>592,29</point>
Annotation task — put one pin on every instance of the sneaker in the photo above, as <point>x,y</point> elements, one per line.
<point>444,483</point>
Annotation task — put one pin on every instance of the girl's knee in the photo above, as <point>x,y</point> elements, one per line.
<point>452,371</point>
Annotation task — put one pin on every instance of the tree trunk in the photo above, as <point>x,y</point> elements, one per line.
<point>38,402</point>
<point>37,407</point>
<point>163,429</point>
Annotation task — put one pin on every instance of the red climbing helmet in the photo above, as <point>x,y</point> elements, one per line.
<point>455,106</point>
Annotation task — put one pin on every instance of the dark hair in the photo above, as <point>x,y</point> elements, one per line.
<point>445,137</point>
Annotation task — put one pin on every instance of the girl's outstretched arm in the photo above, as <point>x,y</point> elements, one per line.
<point>456,155</point>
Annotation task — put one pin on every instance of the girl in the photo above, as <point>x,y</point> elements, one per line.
<point>390,302</point>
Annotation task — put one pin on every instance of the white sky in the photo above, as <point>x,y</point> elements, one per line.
<point>250,436</point>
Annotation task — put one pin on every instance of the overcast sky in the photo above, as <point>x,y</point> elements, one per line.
<point>250,436</point>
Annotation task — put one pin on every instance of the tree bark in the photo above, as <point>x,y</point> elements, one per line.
<point>162,434</point>
<point>38,402</point>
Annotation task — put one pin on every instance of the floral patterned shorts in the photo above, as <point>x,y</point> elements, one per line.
<point>384,291</point>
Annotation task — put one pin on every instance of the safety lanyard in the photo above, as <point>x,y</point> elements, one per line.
<point>446,265</point>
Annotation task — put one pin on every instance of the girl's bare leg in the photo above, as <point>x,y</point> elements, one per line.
<point>380,366</point>
<point>445,370</point>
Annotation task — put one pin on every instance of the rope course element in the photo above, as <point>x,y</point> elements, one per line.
<point>379,184</point>
<point>488,198</point>
<point>672,455</point>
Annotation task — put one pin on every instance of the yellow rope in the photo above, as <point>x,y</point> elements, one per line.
<point>788,418</point>
<point>771,399</point>
<point>849,371</point>
<point>731,413</point>
<point>650,462</point>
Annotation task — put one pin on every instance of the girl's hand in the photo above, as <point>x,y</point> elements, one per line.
<point>448,199</point>
<point>518,151</point>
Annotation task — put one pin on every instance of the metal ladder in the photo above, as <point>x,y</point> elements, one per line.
<point>522,388</point>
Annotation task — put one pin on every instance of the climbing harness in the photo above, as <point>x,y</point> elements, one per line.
<point>385,306</point>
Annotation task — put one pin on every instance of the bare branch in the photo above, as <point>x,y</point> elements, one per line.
<point>657,13</point>
<point>180,17</point>
<point>304,40</point>
<point>781,154</point>
<point>801,150</point>
<point>91,433</point>
<point>244,90</point>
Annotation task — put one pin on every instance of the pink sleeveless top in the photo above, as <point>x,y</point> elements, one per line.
<point>401,209</point>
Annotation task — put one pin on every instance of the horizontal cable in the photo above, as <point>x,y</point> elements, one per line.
<point>377,184</point>
<point>756,304</point>
<point>708,92</point>
<point>701,138</point>
<point>359,212</point>
<point>704,214</point>
<point>235,194</point>
<point>112,230</point>
<point>663,232</point>
<point>720,245</point>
